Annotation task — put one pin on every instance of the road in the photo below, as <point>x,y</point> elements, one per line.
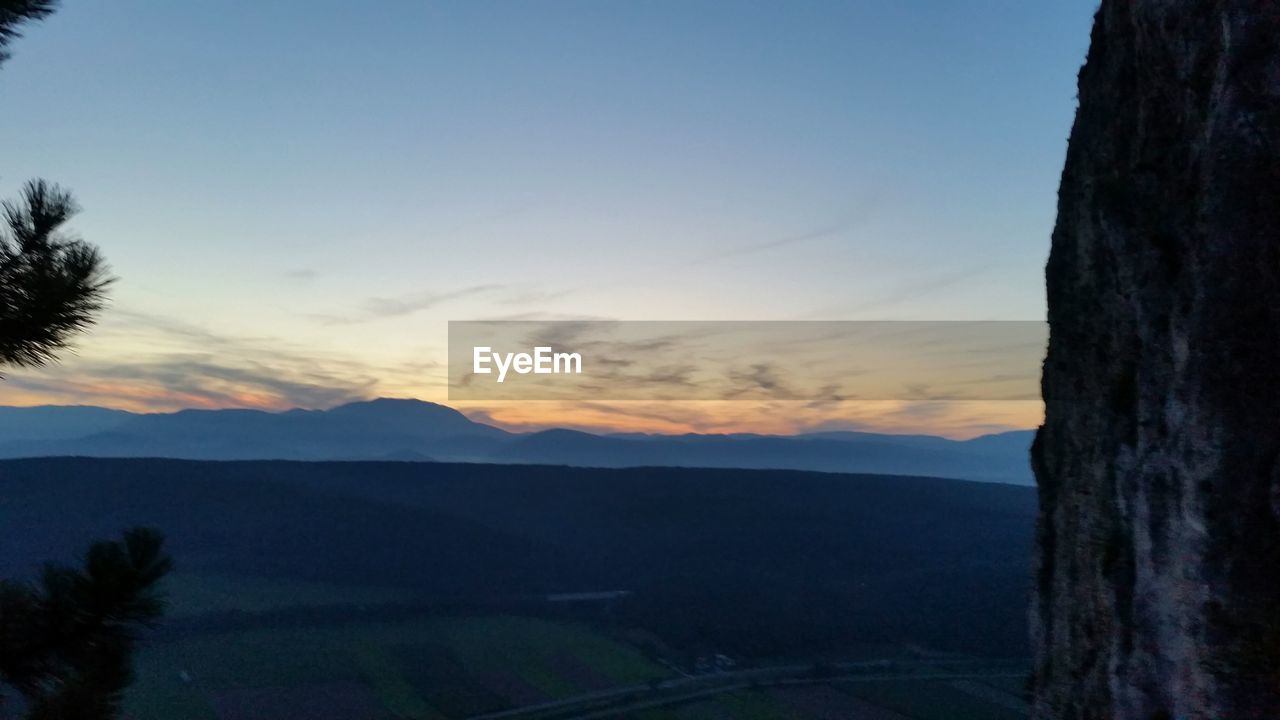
<point>622,700</point>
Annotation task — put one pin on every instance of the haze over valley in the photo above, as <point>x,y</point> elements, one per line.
<point>411,430</point>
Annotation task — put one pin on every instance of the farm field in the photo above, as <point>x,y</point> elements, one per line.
<point>449,668</point>
<point>876,699</point>
<point>437,668</point>
<point>190,595</point>
<point>430,591</point>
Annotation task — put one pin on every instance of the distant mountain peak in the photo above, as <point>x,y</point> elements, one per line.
<point>410,415</point>
<point>384,400</point>
<point>391,404</point>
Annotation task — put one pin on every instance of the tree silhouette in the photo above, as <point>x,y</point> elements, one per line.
<point>66,640</point>
<point>13,13</point>
<point>51,286</point>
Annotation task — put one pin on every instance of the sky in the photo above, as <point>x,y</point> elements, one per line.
<point>297,197</point>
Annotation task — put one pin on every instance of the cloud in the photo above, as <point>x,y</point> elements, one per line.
<point>760,378</point>
<point>408,304</point>
<point>859,215</point>
<point>827,396</point>
<point>752,249</point>
<point>378,308</point>
<point>909,291</point>
<point>147,361</point>
<point>784,417</point>
<point>199,380</point>
<point>169,326</point>
<point>531,296</point>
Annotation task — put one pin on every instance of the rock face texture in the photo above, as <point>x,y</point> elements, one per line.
<point>1158,569</point>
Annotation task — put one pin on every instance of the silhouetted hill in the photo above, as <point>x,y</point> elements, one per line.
<point>763,563</point>
<point>1005,461</point>
<point>415,430</point>
<point>57,422</point>
<point>374,429</point>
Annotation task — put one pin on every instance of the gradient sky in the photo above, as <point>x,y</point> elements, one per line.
<point>297,196</point>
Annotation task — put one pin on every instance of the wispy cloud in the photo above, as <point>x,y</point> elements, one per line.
<point>384,307</point>
<point>952,419</point>
<point>816,362</point>
<point>859,215</point>
<point>141,360</point>
<point>197,381</point>
<point>782,242</point>
<point>378,308</point>
<point>907,292</point>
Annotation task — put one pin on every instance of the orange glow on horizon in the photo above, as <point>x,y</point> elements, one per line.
<point>958,420</point>
<point>954,419</point>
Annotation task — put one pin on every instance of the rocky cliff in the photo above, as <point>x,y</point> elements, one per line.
<point>1158,567</point>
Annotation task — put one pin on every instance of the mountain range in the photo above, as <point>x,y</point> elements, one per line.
<point>412,430</point>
